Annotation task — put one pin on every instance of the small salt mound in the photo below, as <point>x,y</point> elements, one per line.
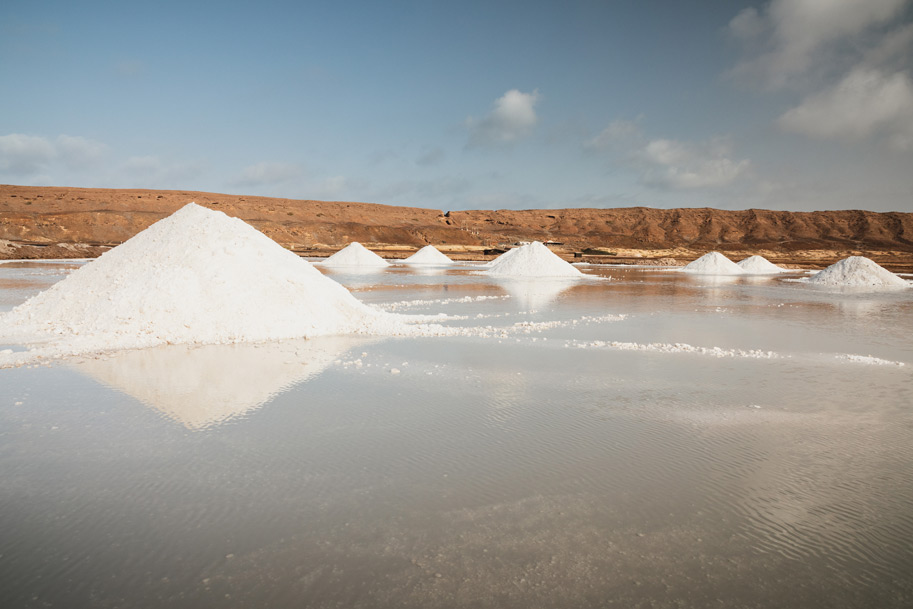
<point>197,276</point>
<point>355,254</point>
<point>532,260</point>
<point>428,255</point>
<point>857,271</point>
<point>713,263</point>
<point>759,265</point>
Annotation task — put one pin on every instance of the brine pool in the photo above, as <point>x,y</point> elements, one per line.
<point>656,440</point>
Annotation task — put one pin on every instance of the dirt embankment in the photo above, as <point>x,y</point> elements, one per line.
<point>51,222</point>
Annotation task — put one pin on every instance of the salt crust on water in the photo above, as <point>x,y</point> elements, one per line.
<point>197,276</point>
<point>428,255</point>
<point>355,254</point>
<point>759,265</point>
<point>713,263</point>
<point>531,260</point>
<point>857,271</point>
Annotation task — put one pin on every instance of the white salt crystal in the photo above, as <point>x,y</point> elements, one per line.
<point>355,254</point>
<point>428,255</point>
<point>197,276</point>
<point>759,265</point>
<point>713,263</point>
<point>532,260</point>
<point>857,271</point>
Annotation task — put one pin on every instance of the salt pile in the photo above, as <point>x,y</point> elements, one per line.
<point>197,276</point>
<point>532,260</point>
<point>713,263</point>
<point>355,254</point>
<point>759,265</point>
<point>428,255</point>
<point>857,271</point>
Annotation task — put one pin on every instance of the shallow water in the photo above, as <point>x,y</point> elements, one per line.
<point>572,456</point>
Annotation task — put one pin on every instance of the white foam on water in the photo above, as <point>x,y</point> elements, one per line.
<point>197,276</point>
<point>759,265</point>
<point>428,255</point>
<point>856,271</point>
<point>868,359</point>
<point>532,260</point>
<point>713,263</point>
<point>354,254</point>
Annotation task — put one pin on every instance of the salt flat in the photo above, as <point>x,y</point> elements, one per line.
<point>660,439</point>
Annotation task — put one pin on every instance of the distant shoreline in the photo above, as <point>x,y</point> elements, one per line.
<point>59,222</point>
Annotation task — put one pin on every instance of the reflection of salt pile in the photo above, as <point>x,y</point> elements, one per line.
<point>204,386</point>
<point>713,263</point>
<point>532,260</point>
<point>759,265</point>
<point>355,254</point>
<point>428,255</point>
<point>197,276</point>
<point>530,295</point>
<point>857,271</point>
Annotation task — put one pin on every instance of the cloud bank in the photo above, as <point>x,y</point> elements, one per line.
<point>667,163</point>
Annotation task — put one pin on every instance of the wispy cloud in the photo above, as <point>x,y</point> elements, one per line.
<point>25,155</point>
<point>850,62</point>
<point>866,102</point>
<point>789,39</point>
<point>512,118</point>
<point>668,163</point>
<point>268,173</point>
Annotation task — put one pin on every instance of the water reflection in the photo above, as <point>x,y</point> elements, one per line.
<point>535,294</point>
<point>203,386</point>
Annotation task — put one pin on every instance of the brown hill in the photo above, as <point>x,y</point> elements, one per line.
<point>50,222</point>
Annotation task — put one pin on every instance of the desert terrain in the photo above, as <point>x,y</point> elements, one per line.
<point>60,222</point>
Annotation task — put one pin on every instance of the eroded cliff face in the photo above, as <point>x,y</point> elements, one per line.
<point>49,222</point>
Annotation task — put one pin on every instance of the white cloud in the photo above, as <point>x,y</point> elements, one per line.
<point>79,152</point>
<point>668,163</point>
<point>266,173</point>
<point>683,166</point>
<point>866,102</point>
<point>803,36</point>
<point>512,118</point>
<point>27,155</point>
<point>23,155</point>
<point>618,131</point>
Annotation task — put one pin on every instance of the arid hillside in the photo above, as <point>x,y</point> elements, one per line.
<point>51,222</point>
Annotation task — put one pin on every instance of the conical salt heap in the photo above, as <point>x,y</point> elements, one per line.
<point>428,255</point>
<point>197,276</point>
<point>713,263</point>
<point>355,254</point>
<point>759,265</point>
<point>857,271</point>
<point>532,260</point>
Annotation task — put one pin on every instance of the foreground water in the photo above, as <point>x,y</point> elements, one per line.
<point>590,449</point>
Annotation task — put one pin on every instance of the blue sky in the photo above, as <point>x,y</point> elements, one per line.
<point>787,104</point>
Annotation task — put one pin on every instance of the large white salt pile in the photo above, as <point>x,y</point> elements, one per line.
<point>532,260</point>
<point>428,255</point>
<point>759,265</point>
<point>857,271</point>
<point>198,276</point>
<point>713,263</point>
<point>355,254</point>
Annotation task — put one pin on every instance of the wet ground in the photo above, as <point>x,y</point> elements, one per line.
<point>656,440</point>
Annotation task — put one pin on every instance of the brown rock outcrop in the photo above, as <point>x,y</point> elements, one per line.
<point>43,222</point>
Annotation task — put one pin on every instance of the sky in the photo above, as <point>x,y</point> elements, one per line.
<point>786,104</point>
